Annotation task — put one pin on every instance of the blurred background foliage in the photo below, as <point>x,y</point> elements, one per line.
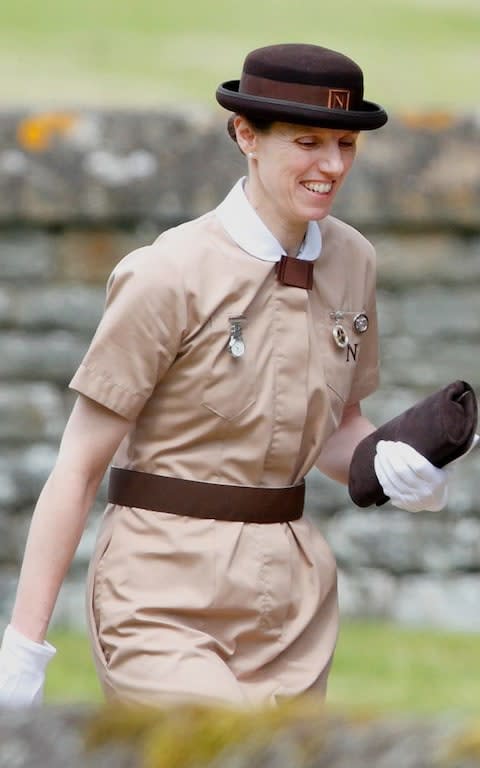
<point>415,53</point>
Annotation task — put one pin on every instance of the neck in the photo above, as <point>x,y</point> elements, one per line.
<point>290,234</point>
<point>289,239</point>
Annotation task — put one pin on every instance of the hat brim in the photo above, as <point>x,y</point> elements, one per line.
<point>371,115</point>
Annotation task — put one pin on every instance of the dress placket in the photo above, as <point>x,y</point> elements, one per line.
<point>290,344</point>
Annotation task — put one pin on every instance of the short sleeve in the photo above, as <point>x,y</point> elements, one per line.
<point>138,336</point>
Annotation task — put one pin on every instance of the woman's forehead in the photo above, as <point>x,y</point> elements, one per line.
<point>292,129</point>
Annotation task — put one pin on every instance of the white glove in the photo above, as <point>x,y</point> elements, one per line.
<point>409,479</point>
<point>22,669</point>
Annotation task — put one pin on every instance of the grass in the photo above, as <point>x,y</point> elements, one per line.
<point>388,669</point>
<point>378,669</point>
<point>415,53</point>
<point>71,675</point>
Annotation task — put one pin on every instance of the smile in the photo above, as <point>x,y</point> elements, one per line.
<point>320,187</point>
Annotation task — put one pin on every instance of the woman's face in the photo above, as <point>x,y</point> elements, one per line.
<point>298,170</point>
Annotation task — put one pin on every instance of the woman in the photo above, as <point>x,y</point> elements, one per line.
<point>232,357</point>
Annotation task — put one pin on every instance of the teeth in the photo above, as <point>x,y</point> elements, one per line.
<point>317,186</point>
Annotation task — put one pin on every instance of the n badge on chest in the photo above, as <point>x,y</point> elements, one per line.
<point>340,334</point>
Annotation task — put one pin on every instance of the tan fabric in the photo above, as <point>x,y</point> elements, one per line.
<point>184,606</point>
<point>160,355</point>
<point>235,612</point>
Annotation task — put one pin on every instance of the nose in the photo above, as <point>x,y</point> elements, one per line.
<point>331,160</point>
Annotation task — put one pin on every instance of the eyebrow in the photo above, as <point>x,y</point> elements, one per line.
<point>298,132</point>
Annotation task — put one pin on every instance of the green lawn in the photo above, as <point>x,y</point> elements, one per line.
<point>415,53</point>
<point>379,668</point>
<point>384,668</point>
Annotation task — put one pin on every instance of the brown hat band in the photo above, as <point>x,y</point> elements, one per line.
<point>318,95</point>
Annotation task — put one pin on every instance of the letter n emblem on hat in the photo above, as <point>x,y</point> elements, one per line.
<point>338,99</point>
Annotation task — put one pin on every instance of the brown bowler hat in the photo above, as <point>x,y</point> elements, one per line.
<point>305,84</point>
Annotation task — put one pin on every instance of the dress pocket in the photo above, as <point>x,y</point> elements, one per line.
<point>94,582</point>
<point>230,388</point>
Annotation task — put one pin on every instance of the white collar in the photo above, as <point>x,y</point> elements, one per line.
<point>245,226</point>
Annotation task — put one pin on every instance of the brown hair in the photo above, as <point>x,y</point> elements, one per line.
<point>260,124</point>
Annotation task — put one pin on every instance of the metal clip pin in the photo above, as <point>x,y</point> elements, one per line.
<point>236,344</point>
<point>338,332</point>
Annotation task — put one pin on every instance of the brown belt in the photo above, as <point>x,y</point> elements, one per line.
<point>130,488</point>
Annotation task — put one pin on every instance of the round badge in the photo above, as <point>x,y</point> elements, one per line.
<point>340,337</point>
<point>237,348</point>
<point>360,322</point>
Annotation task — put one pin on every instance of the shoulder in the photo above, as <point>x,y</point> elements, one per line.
<point>188,242</point>
<point>336,232</point>
<point>165,259</point>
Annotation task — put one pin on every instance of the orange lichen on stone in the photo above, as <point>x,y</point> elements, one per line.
<point>434,120</point>
<point>37,132</point>
<point>467,745</point>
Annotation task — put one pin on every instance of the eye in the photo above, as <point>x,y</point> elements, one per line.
<point>348,141</point>
<point>306,142</point>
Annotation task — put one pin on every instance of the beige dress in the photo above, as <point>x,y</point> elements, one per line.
<point>181,607</point>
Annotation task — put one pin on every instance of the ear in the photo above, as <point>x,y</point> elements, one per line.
<point>246,136</point>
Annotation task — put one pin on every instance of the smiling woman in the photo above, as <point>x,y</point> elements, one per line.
<point>300,158</point>
<point>301,170</point>
<point>232,357</point>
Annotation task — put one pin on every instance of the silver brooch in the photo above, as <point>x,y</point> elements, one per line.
<point>360,322</point>
<point>236,344</point>
<point>339,333</point>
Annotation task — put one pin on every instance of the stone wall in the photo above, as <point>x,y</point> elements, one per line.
<point>79,190</point>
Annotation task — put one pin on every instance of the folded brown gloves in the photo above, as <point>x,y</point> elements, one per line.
<point>441,427</point>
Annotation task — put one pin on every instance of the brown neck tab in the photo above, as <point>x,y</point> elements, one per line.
<point>295,272</point>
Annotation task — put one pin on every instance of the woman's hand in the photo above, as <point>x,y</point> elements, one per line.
<point>409,479</point>
<point>90,438</point>
<point>22,669</point>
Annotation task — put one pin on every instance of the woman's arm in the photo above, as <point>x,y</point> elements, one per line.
<point>90,439</point>
<point>337,453</point>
